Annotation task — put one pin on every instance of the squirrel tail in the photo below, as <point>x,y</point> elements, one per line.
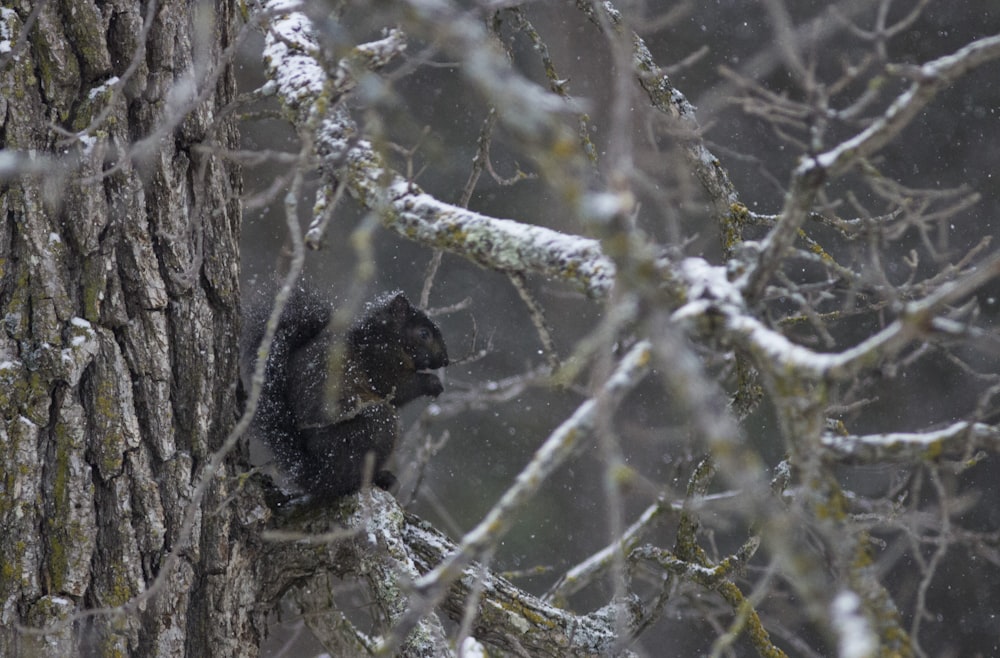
<point>305,315</point>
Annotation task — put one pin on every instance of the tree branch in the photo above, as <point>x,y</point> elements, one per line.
<point>553,453</point>
<point>959,439</point>
<point>810,175</point>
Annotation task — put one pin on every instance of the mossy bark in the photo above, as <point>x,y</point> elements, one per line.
<point>118,358</point>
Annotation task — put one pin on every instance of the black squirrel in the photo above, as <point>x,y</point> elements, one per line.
<point>322,420</point>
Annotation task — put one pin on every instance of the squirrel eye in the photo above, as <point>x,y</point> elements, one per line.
<point>424,333</point>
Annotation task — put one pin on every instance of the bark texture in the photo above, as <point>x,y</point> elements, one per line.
<point>119,293</point>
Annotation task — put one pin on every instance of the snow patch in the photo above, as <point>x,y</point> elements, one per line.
<point>855,635</point>
<point>7,16</point>
<point>707,288</point>
<point>102,88</point>
<point>471,648</point>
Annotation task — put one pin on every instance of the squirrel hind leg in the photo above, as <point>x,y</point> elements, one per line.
<point>337,459</point>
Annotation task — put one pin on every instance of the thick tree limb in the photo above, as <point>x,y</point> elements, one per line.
<point>395,548</point>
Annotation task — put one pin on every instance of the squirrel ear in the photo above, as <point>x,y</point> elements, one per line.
<point>399,307</point>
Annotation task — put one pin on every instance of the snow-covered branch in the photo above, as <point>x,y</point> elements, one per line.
<point>809,176</point>
<point>710,294</point>
<point>510,617</point>
<point>553,453</point>
<point>958,440</point>
<point>494,243</point>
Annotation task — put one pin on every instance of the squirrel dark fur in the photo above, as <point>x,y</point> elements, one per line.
<point>321,431</point>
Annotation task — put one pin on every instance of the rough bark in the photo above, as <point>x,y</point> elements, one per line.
<point>120,303</point>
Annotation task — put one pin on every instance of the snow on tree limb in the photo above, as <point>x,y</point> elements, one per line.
<point>956,439</point>
<point>499,244</point>
<point>553,453</point>
<point>808,177</point>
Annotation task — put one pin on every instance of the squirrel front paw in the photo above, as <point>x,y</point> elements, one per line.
<point>430,385</point>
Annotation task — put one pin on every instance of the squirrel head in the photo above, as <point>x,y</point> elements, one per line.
<point>392,321</point>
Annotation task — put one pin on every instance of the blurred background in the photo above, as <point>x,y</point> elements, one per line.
<point>713,51</point>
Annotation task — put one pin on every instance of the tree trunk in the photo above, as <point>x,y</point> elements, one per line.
<point>118,257</point>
